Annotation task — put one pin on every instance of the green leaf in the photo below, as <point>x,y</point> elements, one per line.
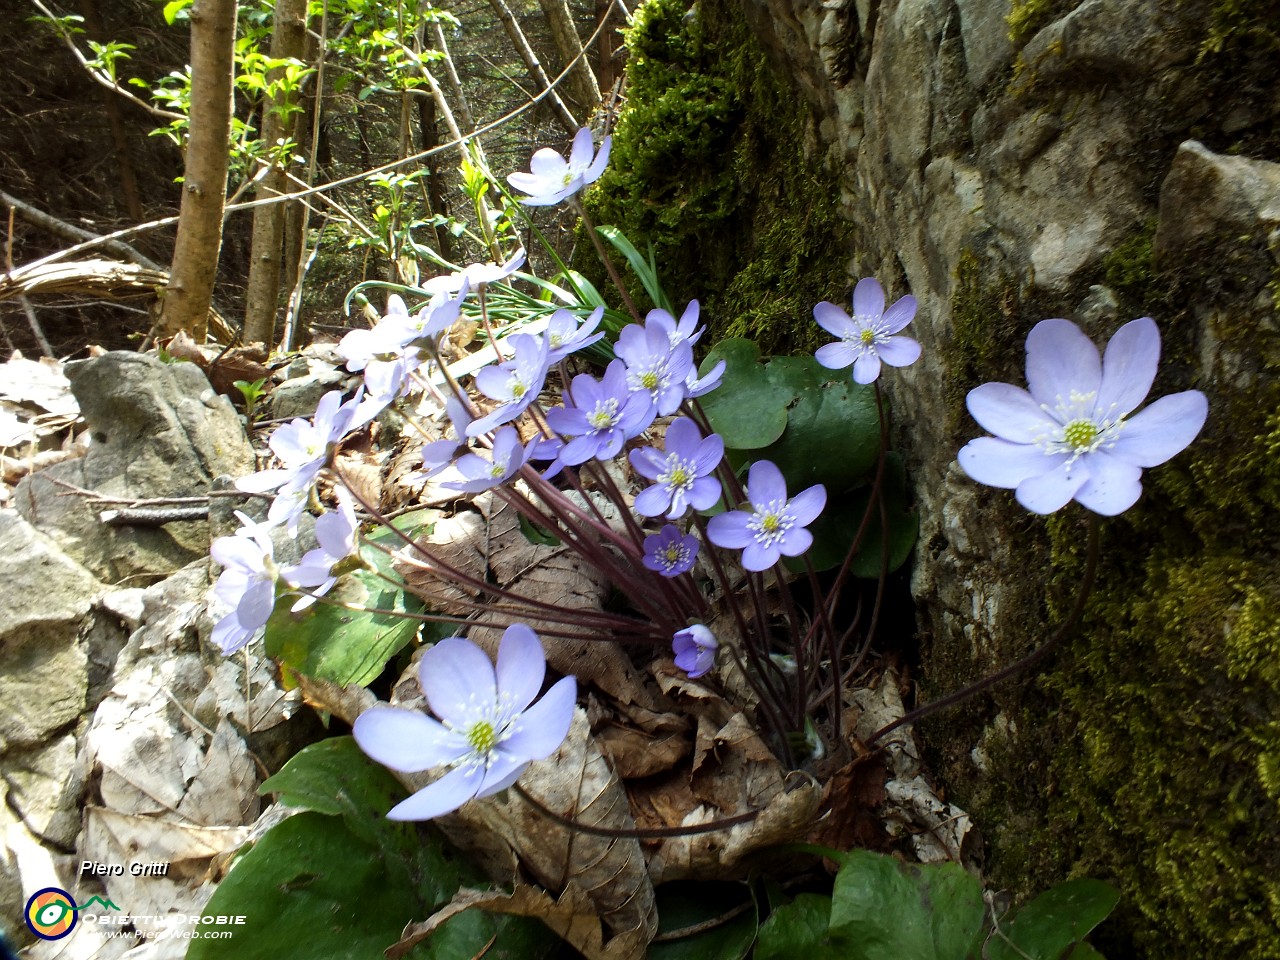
<point>643,268</point>
<point>308,890</point>
<point>802,929</point>
<point>897,911</point>
<point>341,881</point>
<point>334,777</point>
<point>173,8</point>
<point>350,646</point>
<point>835,529</point>
<point>833,430</point>
<point>748,409</point>
<point>685,905</point>
<point>1048,926</point>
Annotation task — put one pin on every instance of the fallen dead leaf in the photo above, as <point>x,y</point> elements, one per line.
<point>572,916</point>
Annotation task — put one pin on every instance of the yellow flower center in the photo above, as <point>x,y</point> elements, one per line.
<point>482,737</point>
<point>1080,434</point>
<point>867,337</point>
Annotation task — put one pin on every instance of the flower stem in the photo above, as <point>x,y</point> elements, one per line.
<point>1030,660</point>
<point>607,261</point>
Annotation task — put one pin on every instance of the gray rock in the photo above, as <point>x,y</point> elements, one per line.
<point>1209,199</point>
<point>43,665</point>
<point>309,380</point>
<point>158,430</point>
<point>983,28</point>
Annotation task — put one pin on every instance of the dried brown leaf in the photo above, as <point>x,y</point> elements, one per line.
<point>578,783</point>
<point>487,544</point>
<point>572,916</point>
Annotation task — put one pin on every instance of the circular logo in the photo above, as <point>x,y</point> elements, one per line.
<point>51,913</point>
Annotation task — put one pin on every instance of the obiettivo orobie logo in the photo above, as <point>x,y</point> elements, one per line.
<point>52,913</point>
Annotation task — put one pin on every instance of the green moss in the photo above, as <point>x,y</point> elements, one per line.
<point>986,340</point>
<point>1028,16</point>
<point>708,165</point>
<point>1242,23</point>
<point>1149,754</point>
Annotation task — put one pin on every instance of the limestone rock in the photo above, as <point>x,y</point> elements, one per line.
<point>158,430</point>
<point>43,665</point>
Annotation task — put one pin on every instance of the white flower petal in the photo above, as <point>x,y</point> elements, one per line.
<point>1061,360</point>
<point>899,351</point>
<point>455,676</point>
<point>1162,429</point>
<point>521,667</point>
<point>999,463</point>
<point>1113,486</point>
<point>407,740</point>
<point>1128,368</point>
<point>542,728</point>
<point>1053,490</point>
<point>1009,412</point>
<point>444,796</point>
<point>868,299</point>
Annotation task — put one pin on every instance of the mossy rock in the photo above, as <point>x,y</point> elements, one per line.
<point>709,166</point>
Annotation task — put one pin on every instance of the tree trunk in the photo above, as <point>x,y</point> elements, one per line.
<point>262,294</point>
<point>580,83</point>
<point>534,65</point>
<point>204,185</point>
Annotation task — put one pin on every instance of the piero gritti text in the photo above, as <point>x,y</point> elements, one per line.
<point>92,868</point>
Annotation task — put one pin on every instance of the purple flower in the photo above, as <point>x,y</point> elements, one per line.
<point>686,331</point>
<point>304,446</point>
<point>552,178</point>
<point>438,454</point>
<point>381,342</point>
<point>474,275</point>
<point>670,552</point>
<point>428,323</point>
<point>384,382</point>
<point>1068,438</point>
<point>775,526</point>
<point>509,455</point>
<point>490,732</point>
<point>868,338</point>
<point>682,475</point>
<point>516,382</point>
<point>564,336</point>
<point>247,584</point>
<point>336,534</point>
<point>654,366</point>
<point>695,649</point>
<point>695,386</point>
<point>599,415</point>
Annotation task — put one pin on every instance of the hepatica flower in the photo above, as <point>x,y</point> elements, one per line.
<point>695,649</point>
<point>489,730</point>
<point>600,415</point>
<point>670,552</point>
<point>774,526</point>
<point>336,535</point>
<point>509,455</point>
<point>1070,435</point>
<point>552,178</point>
<point>868,338</point>
<point>247,584</point>
<point>682,475</point>
<point>515,382</point>
<point>565,336</point>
